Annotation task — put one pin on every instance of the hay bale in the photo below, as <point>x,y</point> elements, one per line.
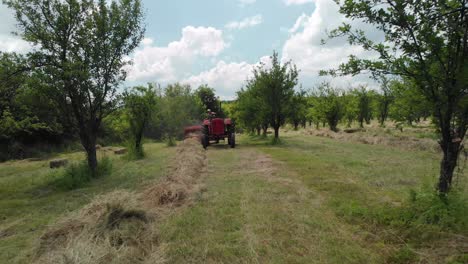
<point>58,163</point>
<point>120,151</point>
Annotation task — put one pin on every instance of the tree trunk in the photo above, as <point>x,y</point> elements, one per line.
<point>258,131</point>
<point>265,130</point>
<point>451,149</point>
<point>89,144</point>
<point>296,125</point>
<point>276,131</point>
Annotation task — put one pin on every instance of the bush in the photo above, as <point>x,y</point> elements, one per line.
<point>427,207</point>
<point>134,153</point>
<point>78,175</point>
<point>170,142</point>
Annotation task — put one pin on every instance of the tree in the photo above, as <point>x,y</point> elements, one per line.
<point>179,107</point>
<point>275,85</point>
<point>364,106</point>
<point>351,110</point>
<point>208,98</point>
<point>330,105</point>
<point>409,104</point>
<point>27,115</point>
<point>139,104</point>
<point>80,49</point>
<point>297,111</point>
<point>427,43</point>
<point>384,100</point>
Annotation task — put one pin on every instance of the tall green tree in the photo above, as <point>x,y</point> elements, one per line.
<point>409,104</point>
<point>427,43</point>
<point>330,105</point>
<point>140,104</point>
<point>208,97</point>
<point>80,49</point>
<point>276,87</point>
<point>179,107</point>
<point>364,105</point>
<point>384,100</point>
<point>297,112</point>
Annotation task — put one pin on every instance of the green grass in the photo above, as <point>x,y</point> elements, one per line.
<point>324,201</point>
<point>30,198</point>
<point>304,199</point>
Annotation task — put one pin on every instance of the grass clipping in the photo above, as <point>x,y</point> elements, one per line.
<point>120,227</point>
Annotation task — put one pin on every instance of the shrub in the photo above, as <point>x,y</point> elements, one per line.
<point>79,174</point>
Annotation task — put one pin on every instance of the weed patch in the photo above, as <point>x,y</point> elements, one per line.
<point>79,174</point>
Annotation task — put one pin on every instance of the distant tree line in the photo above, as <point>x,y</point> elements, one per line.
<point>330,106</point>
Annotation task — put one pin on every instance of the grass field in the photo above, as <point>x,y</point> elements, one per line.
<point>306,200</point>
<point>30,199</point>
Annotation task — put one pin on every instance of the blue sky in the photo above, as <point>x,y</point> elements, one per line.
<point>219,42</point>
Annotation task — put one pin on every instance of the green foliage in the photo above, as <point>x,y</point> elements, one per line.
<point>297,110</point>
<point>364,105</point>
<point>79,55</point>
<point>180,107</point>
<point>384,100</point>
<point>139,104</point>
<point>329,105</point>
<point>27,116</point>
<point>423,212</point>
<point>209,100</point>
<point>78,175</point>
<point>250,110</point>
<point>409,104</point>
<point>351,108</point>
<point>267,98</point>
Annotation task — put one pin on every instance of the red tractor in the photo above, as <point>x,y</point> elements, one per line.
<point>213,130</point>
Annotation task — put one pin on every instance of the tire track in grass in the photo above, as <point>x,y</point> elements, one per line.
<point>256,211</point>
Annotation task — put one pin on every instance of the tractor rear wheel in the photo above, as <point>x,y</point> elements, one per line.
<point>232,141</point>
<point>205,140</point>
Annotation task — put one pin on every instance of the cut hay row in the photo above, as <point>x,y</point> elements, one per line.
<point>403,142</point>
<point>122,226</point>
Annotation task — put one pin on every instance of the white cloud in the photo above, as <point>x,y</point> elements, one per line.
<point>172,62</point>
<point>147,41</point>
<point>297,2</point>
<point>246,2</point>
<point>304,46</point>
<point>9,42</point>
<point>226,78</point>
<point>13,44</point>
<point>245,23</point>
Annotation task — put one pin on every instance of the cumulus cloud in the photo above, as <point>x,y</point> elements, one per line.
<point>169,63</point>
<point>226,78</point>
<point>297,2</point>
<point>245,23</point>
<point>304,45</point>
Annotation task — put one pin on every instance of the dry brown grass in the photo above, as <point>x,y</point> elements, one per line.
<point>121,227</point>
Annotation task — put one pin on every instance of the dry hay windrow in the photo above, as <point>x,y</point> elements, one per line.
<point>362,136</point>
<point>121,226</point>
